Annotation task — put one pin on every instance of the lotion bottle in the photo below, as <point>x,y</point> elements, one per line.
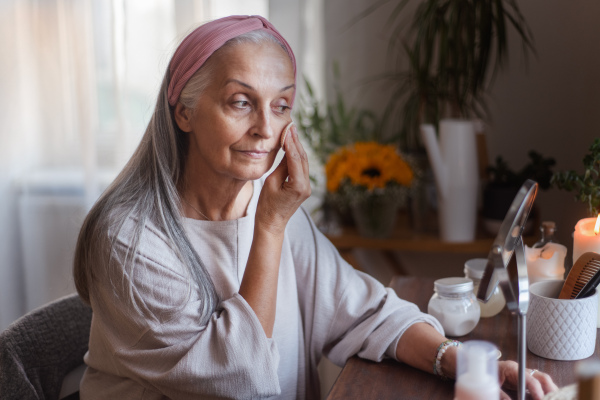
<point>477,371</point>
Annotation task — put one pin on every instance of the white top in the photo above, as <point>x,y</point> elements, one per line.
<point>324,308</point>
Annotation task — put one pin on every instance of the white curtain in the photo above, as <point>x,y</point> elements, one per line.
<point>78,82</point>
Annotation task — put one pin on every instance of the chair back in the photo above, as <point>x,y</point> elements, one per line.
<point>39,349</point>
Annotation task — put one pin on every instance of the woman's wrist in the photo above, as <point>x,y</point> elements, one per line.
<point>444,364</point>
<point>269,222</point>
<point>269,232</point>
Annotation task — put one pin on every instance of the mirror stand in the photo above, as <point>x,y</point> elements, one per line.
<point>514,283</point>
<point>511,272</point>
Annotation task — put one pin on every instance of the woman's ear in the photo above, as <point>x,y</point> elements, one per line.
<point>183,117</point>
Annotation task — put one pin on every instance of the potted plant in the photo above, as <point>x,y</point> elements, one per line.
<point>454,48</point>
<point>586,185</point>
<point>373,179</point>
<point>503,183</point>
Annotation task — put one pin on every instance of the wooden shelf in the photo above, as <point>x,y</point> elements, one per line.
<point>404,239</point>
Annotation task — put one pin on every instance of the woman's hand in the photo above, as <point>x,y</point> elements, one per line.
<point>538,383</point>
<point>286,188</point>
<point>283,192</point>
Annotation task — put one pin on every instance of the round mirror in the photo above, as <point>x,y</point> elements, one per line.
<point>508,237</point>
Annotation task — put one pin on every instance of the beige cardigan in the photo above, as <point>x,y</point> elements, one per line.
<point>324,308</point>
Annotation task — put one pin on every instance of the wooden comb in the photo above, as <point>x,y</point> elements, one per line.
<point>582,272</point>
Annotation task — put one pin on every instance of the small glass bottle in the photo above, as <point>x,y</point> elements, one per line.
<point>548,229</point>
<point>474,269</point>
<point>454,304</point>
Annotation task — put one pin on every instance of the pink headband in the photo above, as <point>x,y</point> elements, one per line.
<point>195,49</point>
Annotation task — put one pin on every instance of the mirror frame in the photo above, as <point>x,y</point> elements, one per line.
<point>507,240</point>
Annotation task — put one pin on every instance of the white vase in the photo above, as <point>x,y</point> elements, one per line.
<point>454,164</point>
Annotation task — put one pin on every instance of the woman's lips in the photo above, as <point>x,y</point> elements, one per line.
<point>258,154</point>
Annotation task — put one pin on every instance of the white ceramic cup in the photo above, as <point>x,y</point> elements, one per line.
<point>560,329</point>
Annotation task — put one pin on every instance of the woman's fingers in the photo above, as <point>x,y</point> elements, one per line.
<point>545,381</point>
<point>297,162</point>
<point>534,386</point>
<point>304,157</point>
<point>281,197</point>
<point>537,383</point>
<point>281,172</point>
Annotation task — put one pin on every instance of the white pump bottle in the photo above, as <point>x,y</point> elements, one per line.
<point>477,372</point>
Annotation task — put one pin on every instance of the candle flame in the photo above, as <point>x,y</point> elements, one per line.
<point>597,227</point>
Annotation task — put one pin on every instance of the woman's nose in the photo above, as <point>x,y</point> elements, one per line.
<point>262,125</point>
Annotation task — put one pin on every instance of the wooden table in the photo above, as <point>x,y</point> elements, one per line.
<point>361,379</point>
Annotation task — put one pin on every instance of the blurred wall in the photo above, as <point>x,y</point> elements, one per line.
<point>552,104</point>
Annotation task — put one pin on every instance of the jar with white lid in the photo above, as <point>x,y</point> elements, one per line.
<point>474,269</point>
<point>454,304</point>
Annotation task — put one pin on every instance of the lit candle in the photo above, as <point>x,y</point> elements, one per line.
<point>546,262</point>
<point>586,237</point>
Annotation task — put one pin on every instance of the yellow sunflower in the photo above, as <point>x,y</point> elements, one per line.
<point>367,164</point>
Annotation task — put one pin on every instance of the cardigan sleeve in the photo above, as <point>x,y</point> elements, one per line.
<point>348,312</point>
<point>161,344</point>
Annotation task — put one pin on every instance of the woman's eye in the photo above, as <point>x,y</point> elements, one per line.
<point>240,104</point>
<point>282,108</point>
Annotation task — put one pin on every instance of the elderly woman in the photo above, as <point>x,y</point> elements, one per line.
<point>209,281</point>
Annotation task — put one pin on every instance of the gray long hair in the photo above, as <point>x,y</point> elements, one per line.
<point>148,188</point>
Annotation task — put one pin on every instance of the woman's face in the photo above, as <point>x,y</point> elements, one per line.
<point>236,126</point>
